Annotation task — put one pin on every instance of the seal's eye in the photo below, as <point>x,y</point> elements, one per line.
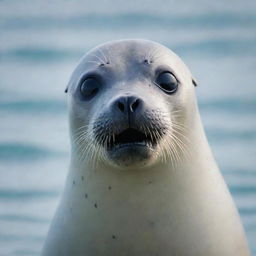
<point>167,82</point>
<point>89,87</point>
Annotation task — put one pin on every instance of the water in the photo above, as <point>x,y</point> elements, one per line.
<point>40,43</point>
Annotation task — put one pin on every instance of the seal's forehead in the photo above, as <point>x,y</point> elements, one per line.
<point>127,56</point>
<point>129,50</point>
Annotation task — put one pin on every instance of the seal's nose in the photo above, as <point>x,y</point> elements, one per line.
<point>128,105</point>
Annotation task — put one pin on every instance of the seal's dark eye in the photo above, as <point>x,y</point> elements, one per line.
<point>89,87</point>
<point>167,82</point>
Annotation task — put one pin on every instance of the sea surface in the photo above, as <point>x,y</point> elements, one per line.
<point>40,44</point>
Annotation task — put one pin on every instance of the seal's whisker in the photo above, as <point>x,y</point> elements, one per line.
<point>96,153</point>
<point>93,61</point>
<point>179,143</point>
<point>104,56</point>
<point>81,127</point>
<point>169,151</point>
<point>179,138</point>
<point>84,147</point>
<point>160,55</point>
<point>152,53</point>
<point>174,150</point>
<point>109,56</point>
<point>79,135</point>
<point>181,126</point>
<point>100,59</point>
<point>181,132</point>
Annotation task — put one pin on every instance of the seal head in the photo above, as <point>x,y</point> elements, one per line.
<point>127,101</point>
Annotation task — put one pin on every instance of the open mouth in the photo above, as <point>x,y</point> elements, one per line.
<point>129,138</point>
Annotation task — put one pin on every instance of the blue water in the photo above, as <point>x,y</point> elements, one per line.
<point>40,43</point>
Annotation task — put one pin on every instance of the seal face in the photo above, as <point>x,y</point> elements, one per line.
<point>132,104</point>
<point>139,128</point>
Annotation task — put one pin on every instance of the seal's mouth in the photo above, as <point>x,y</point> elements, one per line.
<point>131,138</point>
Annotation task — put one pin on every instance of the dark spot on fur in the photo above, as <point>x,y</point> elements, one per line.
<point>109,187</point>
<point>74,182</point>
<point>108,62</point>
<point>101,65</point>
<point>95,205</point>
<point>114,237</point>
<point>86,196</point>
<point>82,178</point>
<point>150,182</point>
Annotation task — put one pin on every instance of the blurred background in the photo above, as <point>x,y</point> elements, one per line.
<point>40,44</point>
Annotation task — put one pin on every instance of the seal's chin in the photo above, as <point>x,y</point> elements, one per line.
<point>131,148</point>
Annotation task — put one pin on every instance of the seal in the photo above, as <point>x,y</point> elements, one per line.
<point>142,179</point>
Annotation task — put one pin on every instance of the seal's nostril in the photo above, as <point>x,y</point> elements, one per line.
<point>121,106</point>
<point>127,105</point>
<point>134,105</point>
